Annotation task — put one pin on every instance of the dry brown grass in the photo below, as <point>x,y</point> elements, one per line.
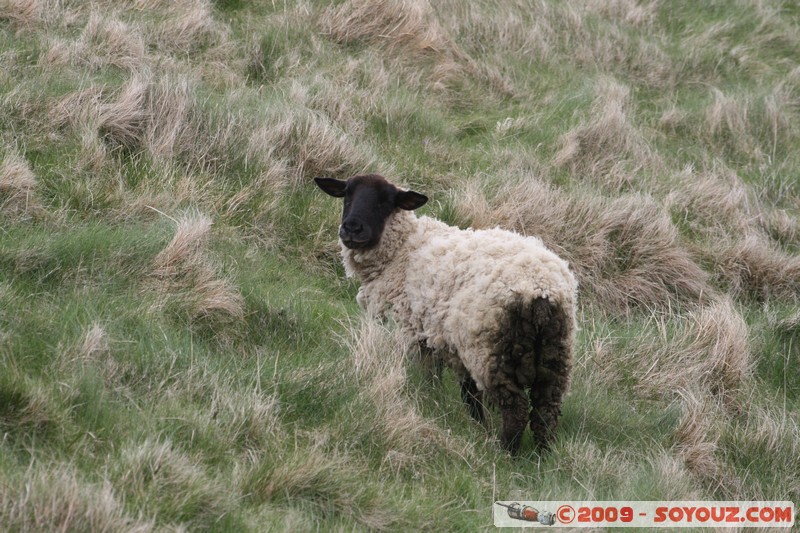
<point>728,122</point>
<point>708,440</point>
<point>93,346</point>
<point>379,361</point>
<point>781,227</point>
<point>20,12</point>
<point>697,443</point>
<point>188,27</point>
<point>633,13</point>
<point>155,114</point>
<point>720,339</point>
<point>411,26</point>
<point>120,122</point>
<point>712,46</point>
<point>329,480</point>
<point>158,115</point>
<point>781,113</point>
<point>171,191</point>
<point>595,35</point>
<point>323,94</point>
<point>732,227</point>
<point>172,132</point>
<point>127,36</point>
<point>95,342</point>
<point>754,267</point>
<point>166,481</point>
<point>320,147</point>
<point>707,351</point>
<point>251,418</point>
<point>713,201</point>
<point>71,109</point>
<point>190,239</point>
<point>18,198</point>
<point>756,127</point>
<point>105,41</point>
<point>412,30</point>
<point>520,28</point>
<point>123,122</point>
<point>772,436</point>
<point>607,465</point>
<point>625,251</point>
<point>607,148</point>
<point>312,145</point>
<point>263,195</point>
<point>58,499</point>
<point>676,480</point>
<point>183,270</point>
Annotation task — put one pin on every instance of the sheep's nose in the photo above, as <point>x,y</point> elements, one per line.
<point>351,227</point>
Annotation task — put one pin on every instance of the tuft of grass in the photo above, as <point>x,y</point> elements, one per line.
<point>756,268</point>
<point>164,481</point>
<point>327,484</point>
<point>379,363</point>
<point>708,352</point>
<point>17,187</point>
<point>607,148</point>
<point>405,27</point>
<point>105,42</point>
<point>188,282</point>
<point>59,498</point>
<point>20,12</point>
<point>697,442</point>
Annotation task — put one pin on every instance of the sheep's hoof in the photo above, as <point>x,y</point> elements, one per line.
<point>542,444</point>
<point>511,442</point>
<point>513,427</point>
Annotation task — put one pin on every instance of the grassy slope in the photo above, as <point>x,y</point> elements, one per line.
<point>178,344</point>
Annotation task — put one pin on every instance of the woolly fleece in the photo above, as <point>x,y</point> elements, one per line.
<point>452,288</point>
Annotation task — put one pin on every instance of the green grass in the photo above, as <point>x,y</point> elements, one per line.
<point>214,380</point>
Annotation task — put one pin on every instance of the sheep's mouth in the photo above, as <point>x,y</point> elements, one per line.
<point>354,244</point>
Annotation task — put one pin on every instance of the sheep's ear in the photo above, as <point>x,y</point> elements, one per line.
<point>331,186</point>
<point>410,200</point>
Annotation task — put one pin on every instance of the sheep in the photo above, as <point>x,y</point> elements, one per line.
<point>497,307</point>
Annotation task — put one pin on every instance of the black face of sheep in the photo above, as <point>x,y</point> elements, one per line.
<point>368,202</point>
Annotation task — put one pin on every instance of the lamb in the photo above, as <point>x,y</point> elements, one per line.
<point>498,307</point>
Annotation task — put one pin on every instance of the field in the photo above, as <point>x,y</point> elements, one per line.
<point>180,349</point>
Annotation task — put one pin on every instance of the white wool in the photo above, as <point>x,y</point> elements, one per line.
<point>450,287</point>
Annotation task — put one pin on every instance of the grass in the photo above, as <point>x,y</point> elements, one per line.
<point>180,349</point>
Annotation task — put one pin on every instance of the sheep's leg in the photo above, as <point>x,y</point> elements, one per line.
<point>438,367</point>
<point>551,382</point>
<point>431,362</point>
<point>514,409</point>
<point>472,397</point>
